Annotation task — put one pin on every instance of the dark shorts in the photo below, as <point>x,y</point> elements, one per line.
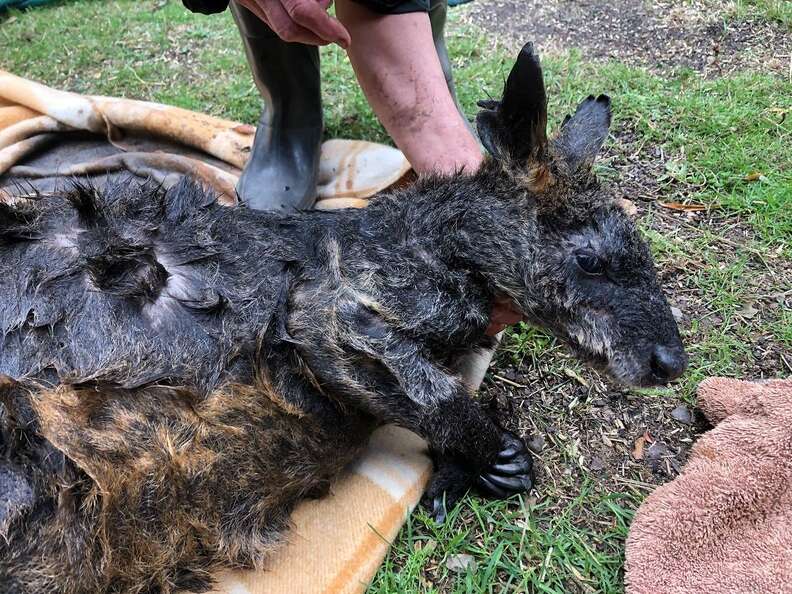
<point>380,6</point>
<point>395,6</point>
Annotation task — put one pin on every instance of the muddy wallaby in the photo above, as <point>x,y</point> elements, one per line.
<point>176,374</point>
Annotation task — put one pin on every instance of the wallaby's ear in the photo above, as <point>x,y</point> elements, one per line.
<point>582,134</point>
<point>515,127</point>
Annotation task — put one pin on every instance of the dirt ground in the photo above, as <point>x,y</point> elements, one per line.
<point>657,34</point>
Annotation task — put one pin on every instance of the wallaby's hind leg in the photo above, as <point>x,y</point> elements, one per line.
<point>40,493</point>
<point>166,483</point>
<point>17,491</point>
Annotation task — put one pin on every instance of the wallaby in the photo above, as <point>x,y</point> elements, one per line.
<point>177,374</point>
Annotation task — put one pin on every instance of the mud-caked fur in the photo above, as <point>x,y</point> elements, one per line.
<point>175,375</point>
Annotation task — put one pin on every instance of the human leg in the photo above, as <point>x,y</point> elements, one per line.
<point>396,61</point>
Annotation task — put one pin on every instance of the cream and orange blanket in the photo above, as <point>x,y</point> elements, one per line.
<point>162,143</point>
<point>337,543</point>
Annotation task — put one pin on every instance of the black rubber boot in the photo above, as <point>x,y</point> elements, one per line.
<point>284,160</point>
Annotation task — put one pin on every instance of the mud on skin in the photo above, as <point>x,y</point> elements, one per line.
<point>176,375</point>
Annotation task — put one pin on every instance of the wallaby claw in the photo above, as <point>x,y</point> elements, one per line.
<point>438,512</point>
<point>512,473</point>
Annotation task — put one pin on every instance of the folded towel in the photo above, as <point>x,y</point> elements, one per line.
<point>724,526</point>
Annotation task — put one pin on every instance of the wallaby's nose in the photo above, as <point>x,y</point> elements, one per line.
<point>668,363</point>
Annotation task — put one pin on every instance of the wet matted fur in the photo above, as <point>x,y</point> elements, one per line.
<point>176,375</point>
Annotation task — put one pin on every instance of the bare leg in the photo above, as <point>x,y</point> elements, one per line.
<point>396,63</point>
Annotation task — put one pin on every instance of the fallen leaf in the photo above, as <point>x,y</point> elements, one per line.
<point>683,207</point>
<point>753,176</point>
<point>638,449</point>
<point>640,443</point>
<point>575,376</point>
<point>677,313</point>
<point>748,311</point>
<point>628,206</point>
<point>460,563</point>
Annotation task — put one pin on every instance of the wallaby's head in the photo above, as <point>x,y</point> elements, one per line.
<point>588,276</point>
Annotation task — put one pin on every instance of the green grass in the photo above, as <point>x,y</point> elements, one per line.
<point>714,133</point>
<point>701,137</point>
<point>524,343</point>
<point>522,548</point>
<point>774,10</point>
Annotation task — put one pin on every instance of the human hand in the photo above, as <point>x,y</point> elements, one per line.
<point>302,21</point>
<point>504,313</point>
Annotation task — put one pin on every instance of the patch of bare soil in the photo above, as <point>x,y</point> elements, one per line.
<point>655,34</point>
<point>582,429</point>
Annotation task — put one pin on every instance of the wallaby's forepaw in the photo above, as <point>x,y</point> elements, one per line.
<point>511,473</point>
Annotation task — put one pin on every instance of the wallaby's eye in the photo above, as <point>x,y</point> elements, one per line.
<point>590,263</point>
